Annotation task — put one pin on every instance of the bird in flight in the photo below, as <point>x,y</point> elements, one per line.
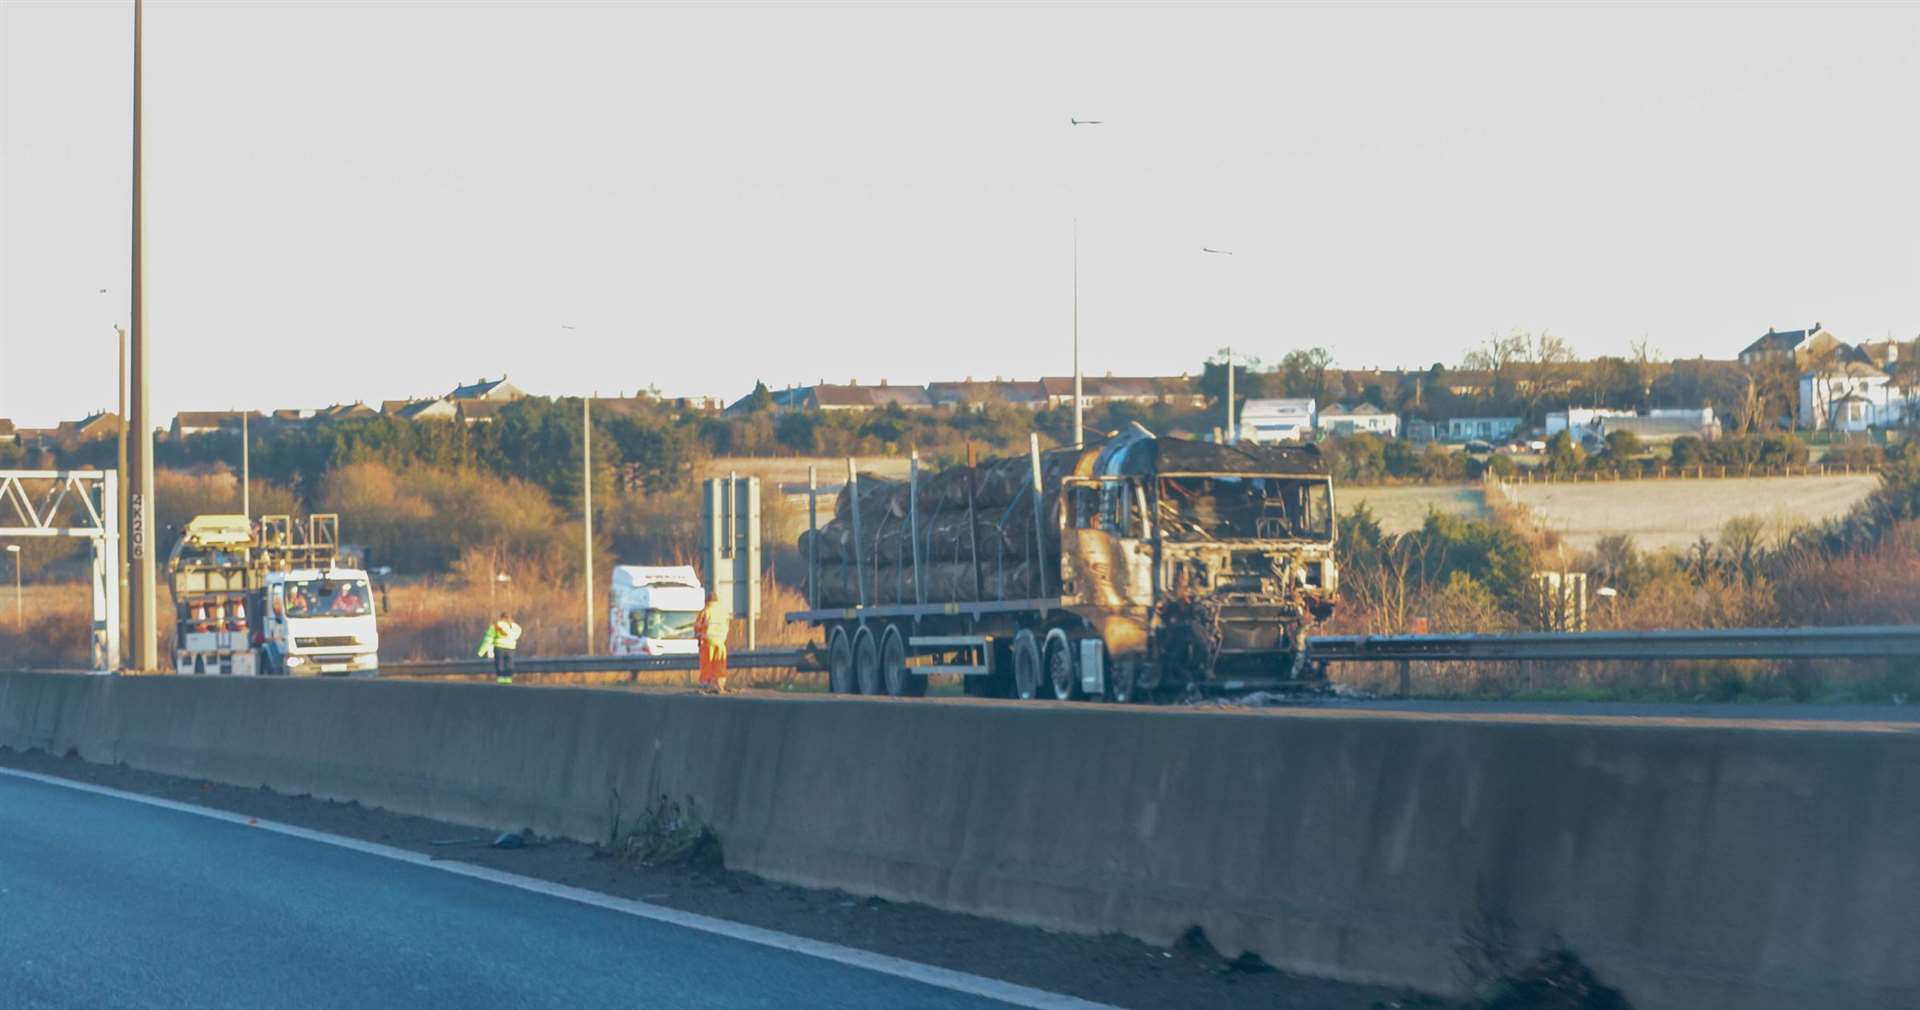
<point>1086,122</point>
<point>1216,252</point>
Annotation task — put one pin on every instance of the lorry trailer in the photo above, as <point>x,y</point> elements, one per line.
<point>1137,566</point>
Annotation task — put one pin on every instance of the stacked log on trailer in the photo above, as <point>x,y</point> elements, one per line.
<point>980,537</point>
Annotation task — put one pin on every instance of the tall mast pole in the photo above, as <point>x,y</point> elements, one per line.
<point>143,621</point>
<point>1079,433</point>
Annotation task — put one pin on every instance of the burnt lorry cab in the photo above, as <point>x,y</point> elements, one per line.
<point>1136,566</point>
<point>1199,565</point>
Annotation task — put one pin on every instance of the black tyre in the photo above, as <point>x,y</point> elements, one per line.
<point>900,682</point>
<point>840,678</point>
<point>866,662</point>
<point>1063,674</point>
<point>1026,665</point>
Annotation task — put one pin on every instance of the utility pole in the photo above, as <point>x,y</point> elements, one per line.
<point>143,599</point>
<point>246,471</point>
<point>586,509</point>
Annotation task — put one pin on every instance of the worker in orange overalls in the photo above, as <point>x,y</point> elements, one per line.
<point>710,628</point>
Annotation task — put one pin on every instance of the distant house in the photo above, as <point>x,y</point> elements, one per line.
<point>1487,429</point>
<point>1797,346</point>
<point>1883,353</point>
<point>7,432</point>
<point>472,412</point>
<point>697,404</point>
<point>288,415</point>
<point>1339,419</point>
<point>1276,420</point>
<point>1103,389</point>
<point>189,423</point>
<point>496,390</point>
<point>101,424</point>
<point>438,408</point>
<point>347,412</point>
<point>1421,432</point>
<point>1850,396</point>
<point>1467,382</point>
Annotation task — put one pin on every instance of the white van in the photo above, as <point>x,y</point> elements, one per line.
<point>651,610</point>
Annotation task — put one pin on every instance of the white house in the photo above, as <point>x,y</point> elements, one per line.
<point>1853,396</point>
<point>1339,419</point>
<point>1280,420</point>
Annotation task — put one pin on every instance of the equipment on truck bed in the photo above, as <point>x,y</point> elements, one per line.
<point>1132,566</point>
<point>270,597</point>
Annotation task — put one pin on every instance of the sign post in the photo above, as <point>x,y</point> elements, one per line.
<point>730,535</point>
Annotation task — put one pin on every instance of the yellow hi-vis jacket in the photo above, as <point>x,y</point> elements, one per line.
<point>711,625</point>
<point>500,635</point>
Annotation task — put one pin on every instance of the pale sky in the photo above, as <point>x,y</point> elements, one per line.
<point>359,200</point>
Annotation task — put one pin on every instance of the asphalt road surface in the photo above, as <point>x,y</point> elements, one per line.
<point>105,902</point>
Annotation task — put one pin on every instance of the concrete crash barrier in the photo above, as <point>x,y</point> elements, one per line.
<point>1692,865</point>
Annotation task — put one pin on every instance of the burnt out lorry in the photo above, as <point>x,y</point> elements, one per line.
<point>1135,567</point>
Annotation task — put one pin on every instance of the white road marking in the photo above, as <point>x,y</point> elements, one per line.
<point>926,974</point>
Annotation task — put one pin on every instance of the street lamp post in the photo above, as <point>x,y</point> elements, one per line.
<point>19,609</point>
<point>1231,435</point>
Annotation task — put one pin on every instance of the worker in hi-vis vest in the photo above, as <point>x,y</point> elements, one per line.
<point>711,630</point>
<point>503,636</point>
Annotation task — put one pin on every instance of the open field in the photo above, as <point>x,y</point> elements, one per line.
<point>1401,509</point>
<point>1655,513</point>
<point>1675,513</point>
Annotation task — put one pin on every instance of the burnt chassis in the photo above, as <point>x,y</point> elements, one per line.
<point>1137,614</point>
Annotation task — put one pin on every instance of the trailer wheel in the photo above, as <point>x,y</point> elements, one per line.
<point>1063,674</point>
<point>900,681</point>
<point>866,661</point>
<point>840,678</point>
<point>1026,665</point>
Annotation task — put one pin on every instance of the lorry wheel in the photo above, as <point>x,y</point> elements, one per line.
<point>1063,674</point>
<point>900,681</point>
<point>1026,665</point>
<point>840,662</point>
<point>866,662</point>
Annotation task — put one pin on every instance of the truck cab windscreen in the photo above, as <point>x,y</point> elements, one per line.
<point>664,625</point>
<point>328,598</point>
<point>1245,508</point>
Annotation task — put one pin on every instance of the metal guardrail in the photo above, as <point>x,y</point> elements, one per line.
<point>797,659</point>
<point>1865,642</point>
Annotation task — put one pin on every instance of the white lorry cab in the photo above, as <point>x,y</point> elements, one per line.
<point>320,620</point>
<point>652,608</point>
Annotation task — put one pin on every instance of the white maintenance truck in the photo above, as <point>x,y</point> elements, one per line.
<point>651,610</point>
<point>271,598</point>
